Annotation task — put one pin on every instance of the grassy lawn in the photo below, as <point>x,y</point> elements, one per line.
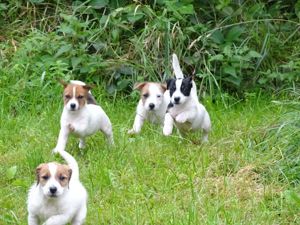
<point>152,179</point>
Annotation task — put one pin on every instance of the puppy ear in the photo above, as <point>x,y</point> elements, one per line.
<point>70,175</point>
<point>169,83</point>
<point>139,86</point>
<point>88,86</point>
<point>64,83</point>
<point>164,87</point>
<point>37,173</point>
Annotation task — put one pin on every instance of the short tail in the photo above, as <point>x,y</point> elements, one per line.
<point>176,67</point>
<point>72,164</point>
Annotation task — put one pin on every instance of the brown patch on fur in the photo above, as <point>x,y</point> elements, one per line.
<point>81,93</point>
<point>42,174</point>
<point>144,89</point>
<point>63,174</point>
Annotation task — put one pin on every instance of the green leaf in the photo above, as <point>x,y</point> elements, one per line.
<point>234,34</point>
<point>75,61</point>
<point>254,54</point>
<point>217,37</point>
<point>11,172</point>
<point>121,85</point>
<point>187,9</point>
<point>98,4</point>
<point>63,49</point>
<point>230,70</point>
<point>218,57</point>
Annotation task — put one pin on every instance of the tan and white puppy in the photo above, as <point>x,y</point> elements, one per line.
<point>81,115</point>
<point>152,105</point>
<point>185,110</point>
<point>57,197</point>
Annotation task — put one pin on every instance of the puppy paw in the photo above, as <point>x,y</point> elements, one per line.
<point>71,128</point>
<point>181,118</point>
<point>131,132</point>
<point>167,131</point>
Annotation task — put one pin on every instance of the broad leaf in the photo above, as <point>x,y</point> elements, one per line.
<point>63,49</point>
<point>11,172</point>
<point>234,34</point>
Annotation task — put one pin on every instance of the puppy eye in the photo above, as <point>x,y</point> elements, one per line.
<point>62,178</point>
<point>67,96</point>
<point>145,95</point>
<point>80,97</point>
<point>158,96</point>
<point>45,177</point>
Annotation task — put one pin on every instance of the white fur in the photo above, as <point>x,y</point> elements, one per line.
<point>68,206</point>
<point>83,122</point>
<point>188,114</point>
<point>144,113</point>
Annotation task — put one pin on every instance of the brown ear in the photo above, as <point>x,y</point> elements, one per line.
<point>164,87</point>
<point>139,86</point>
<point>37,172</point>
<point>64,83</point>
<point>88,86</point>
<point>70,175</point>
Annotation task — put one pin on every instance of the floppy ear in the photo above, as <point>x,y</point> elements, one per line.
<point>88,86</point>
<point>139,86</point>
<point>70,175</point>
<point>37,173</point>
<point>64,83</point>
<point>164,87</point>
<point>168,83</point>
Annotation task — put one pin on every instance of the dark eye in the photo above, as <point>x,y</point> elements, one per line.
<point>80,97</point>
<point>45,177</point>
<point>145,95</point>
<point>67,96</point>
<point>62,178</point>
<point>158,96</point>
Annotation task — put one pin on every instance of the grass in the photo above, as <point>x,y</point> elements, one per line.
<point>151,179</point>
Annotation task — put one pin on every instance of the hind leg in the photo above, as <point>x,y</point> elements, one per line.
<point>81,143</point>
<point>205,136</point>
<point>80,217</point>
<point>108,134</point>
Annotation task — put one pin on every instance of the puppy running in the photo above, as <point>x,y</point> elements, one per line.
<point>185,110</point>
<point>152,105</point>
<point>81,115</point>
<point>57,197</point>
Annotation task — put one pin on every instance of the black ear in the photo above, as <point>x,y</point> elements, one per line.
<point>169,81</point>
<point>189,79</point>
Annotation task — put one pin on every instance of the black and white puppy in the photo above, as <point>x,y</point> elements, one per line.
<point>185,110</point>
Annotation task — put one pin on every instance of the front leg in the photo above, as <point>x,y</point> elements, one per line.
<point>168,124</point>
<point>137,125</point>
<point>62,139</point>
<point>185,116</point>
<point>32,219</point>
<point>57,220</point>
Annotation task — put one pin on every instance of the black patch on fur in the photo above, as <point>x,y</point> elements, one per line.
<point>170,105</point>
<point>186,86</point>
<point>171,86</point>
<point>91,99</point>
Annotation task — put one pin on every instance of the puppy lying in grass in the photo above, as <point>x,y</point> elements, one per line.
<point>185,110</point>
<point>57,197</point>
<point>81,115</point>
<point>152,105</point>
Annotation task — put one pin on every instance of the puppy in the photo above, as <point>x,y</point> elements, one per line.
<point>57,197</point>
<point>185,110</point>
<point>152,105</point>
<point>81,115</point>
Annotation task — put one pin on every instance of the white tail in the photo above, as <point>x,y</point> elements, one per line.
<point>72,164</point>
<point>176,67</point>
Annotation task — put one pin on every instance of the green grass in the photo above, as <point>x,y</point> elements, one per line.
<point>151,179</point>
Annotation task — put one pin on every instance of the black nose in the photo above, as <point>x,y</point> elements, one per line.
<point>53,190</point>
<point>73,105</point>
<point>151,106</point>
<point>177,99</point>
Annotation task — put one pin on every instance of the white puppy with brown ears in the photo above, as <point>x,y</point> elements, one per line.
<point>81,115</point>
<point>57,197</point>
<point>185,110</point>
<point>152,105</point>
